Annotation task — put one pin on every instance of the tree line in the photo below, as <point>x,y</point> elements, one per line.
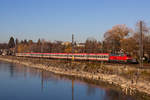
<point>118,38</point>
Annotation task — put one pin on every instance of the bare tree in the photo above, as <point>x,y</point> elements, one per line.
<point>113,37</point>
<point>92,46</point>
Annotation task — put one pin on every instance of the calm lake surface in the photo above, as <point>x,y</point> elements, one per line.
<point>24,83</point>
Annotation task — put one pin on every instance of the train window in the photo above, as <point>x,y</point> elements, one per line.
<point>94,57</point>
<point>77,55</point>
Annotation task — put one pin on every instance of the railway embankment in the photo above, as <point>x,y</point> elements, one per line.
<point>129,78</point>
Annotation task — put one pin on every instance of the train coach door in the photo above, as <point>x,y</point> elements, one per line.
<point>72,57</point>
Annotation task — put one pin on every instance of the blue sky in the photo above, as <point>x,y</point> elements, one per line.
<point>59,19</point>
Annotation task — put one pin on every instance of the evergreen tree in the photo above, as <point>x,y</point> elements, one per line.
<point>11,43</point>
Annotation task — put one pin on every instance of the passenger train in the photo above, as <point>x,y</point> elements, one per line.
<point>83,56</point>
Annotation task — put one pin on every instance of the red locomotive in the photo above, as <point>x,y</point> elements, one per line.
<point>122,58</point>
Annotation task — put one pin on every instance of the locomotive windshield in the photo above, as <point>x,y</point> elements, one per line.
<point>118,54</point>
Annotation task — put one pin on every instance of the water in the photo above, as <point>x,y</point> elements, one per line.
<point>24,83</point>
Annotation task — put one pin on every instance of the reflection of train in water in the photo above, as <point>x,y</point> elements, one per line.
<point>83,56</point>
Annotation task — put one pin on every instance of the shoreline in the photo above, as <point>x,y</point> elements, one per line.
<point>126,85</point>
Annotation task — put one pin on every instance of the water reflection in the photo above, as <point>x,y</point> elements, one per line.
<point>11,69</point>
<point>43,85</point>
<point>90,90</point>
<point>72,89</point>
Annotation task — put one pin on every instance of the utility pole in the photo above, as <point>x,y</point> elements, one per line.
<point>72,43</point>
<point>72,46</point>
<point>141,44</point>
<point>42,46</point>
<point>113,44</point>
<point>102,51</point>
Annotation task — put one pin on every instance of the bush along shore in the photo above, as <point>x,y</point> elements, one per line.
<point>129,78</point>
